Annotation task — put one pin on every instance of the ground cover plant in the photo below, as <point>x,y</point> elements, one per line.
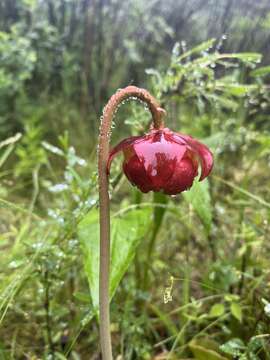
<point>190,274</point>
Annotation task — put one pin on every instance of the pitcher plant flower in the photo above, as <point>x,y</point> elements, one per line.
<point>161,160</point>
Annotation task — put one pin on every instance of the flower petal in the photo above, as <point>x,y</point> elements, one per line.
<point>204,154</point>
<point>159,156</point>
<point>183,176</point>
<point>136,173</point>
<point>120,147</point>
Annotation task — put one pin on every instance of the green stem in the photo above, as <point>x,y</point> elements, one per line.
<point>104,201</point>
<point>47,312</point>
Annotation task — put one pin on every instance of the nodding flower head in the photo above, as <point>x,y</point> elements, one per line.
<point>163,160</point>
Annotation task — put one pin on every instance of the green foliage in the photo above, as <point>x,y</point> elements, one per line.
<point>262,71</point>
<point>206,252</point>
<point>127,230</point>
<point>30,153</point>
<point>205,350</point>
<point>233,347</point>
<point>236,311</point>
<point>217,310</point>
<point>199,197</point>
<point>192,74</point>
<point>17,59</point>
<point>236,348</point>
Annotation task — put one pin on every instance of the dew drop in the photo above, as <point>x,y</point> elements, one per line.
<point>58,188</point>
<point>184,46</point>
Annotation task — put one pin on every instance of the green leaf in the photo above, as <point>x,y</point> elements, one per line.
<point>217,310</point>
<point>88,232</point>
<point>199,197</point>
<point>235,89</point>
<point>60,356</point>
<point>262,71</point>
<point>126,233</point>
<point>236,310</point>
<point>204,350</point>
<point>206,45</point>
<point>82,297</point>
<point>246,57</point>
<point>224,102</point>
<point>255,343</point>
<point>234,347</point>
<point>231,297</point>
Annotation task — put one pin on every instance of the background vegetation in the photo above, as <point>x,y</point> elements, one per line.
<point>198,281</point>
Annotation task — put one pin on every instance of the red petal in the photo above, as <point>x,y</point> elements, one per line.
<point>204,154</point>
<point>136,174</point>
<point>183,176</point>
<point>120,147</point>
<point>159,156</point>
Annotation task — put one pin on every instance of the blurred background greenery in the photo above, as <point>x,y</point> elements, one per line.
<point>199,283</point>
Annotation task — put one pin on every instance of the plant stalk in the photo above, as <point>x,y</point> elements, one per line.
<point>104,201</point>
<point>47,312</point>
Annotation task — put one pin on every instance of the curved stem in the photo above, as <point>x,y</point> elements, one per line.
<point>104,201</point>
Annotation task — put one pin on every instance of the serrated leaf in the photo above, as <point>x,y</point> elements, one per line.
<point>236,310</point>
<point>126,233</point>
<point>199,197</point>
<point>217,310</point>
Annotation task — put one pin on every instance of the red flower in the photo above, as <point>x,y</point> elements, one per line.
<point>163,160</point>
